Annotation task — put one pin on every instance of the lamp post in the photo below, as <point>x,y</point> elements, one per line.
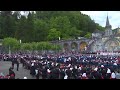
<point>20,43</point>
<point>9,51</point>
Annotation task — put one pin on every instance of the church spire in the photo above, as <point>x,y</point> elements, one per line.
<point>107,21</point>
<point>108,27</point>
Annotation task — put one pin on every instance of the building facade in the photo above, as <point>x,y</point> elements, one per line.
<point>108,40</point>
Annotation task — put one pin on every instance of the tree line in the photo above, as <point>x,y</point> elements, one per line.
<point>40,26</point>
<point>15,46</point>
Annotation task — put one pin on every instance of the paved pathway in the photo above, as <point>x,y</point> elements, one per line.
<point>5,65</point>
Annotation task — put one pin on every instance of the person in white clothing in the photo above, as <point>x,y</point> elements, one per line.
<point>113,76</point>
<point>25,78</point>
<point>96,69</point>
<point>84,76</point>
<point>108,70</point>
<point>108,73</point>
<point>115,64</point>
<point>66,77</point>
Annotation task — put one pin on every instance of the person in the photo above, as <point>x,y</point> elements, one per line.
<point>103,73</point>
<point>17,62</point>
<point>10,69</point>
<point>25,78</point>
<point>37,73</point>
<point>48,73</point>
<point>69,73</point>
<point>84,76</point>
<point>56,73</point>
<point>108,75</point>
<point>11,74</point>
<point>23,62</point>
<point>44,72</point>
<point>13,63</point>
<point>66,76</point>
<point>32,69</point>
<point>113,76</point>
<point>62,74</point>
<point>75,72</point>
<point>1,75</point>
<point>117,75</point>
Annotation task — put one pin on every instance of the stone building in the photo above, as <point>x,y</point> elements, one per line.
<point>108,40</point>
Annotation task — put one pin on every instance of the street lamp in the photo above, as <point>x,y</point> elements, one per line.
<point>20,43</point>
<point>9,51</point>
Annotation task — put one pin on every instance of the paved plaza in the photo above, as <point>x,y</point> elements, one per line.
<point>5,65</point>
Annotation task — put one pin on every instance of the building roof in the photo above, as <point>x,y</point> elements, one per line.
<point>98,31</point>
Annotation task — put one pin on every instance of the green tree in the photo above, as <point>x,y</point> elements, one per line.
<point>34,46</point>
<point>26,46</point>
<point>56,47</point>
<point>11,43</point>
<point>44,46</point>
<point>41,30</point>
<point>7,24</point>
<point>39,46</point>
<point>53,34</point>
<point>99,27</point>
<point>25,28</point>
<point>36,27</point>
<point>61,24</point>
<point>74,33</point>
<point>88,35</point>
<point>30,28</point>
<point>21,29</point>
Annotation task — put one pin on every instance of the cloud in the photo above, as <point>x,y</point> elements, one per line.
<point>100,17</point>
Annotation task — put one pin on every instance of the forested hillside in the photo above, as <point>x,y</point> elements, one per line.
<point>46,25</point>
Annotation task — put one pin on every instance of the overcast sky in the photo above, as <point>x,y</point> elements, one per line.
<point>100,17</point>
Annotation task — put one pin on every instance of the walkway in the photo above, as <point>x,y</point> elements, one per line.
<point>5,65</point>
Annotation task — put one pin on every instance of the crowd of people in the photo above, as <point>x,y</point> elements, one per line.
<point>67,66</point>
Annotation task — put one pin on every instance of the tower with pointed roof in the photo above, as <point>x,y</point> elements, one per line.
<point>108,30</point>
